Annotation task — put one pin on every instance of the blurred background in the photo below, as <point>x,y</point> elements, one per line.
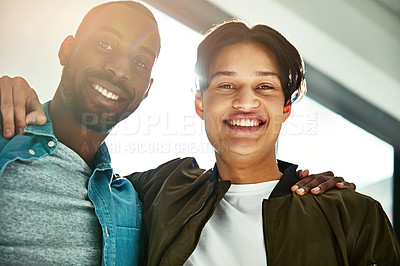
<point>349,122</point>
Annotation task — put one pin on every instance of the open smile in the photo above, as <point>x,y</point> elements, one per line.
<point>103,91</point>
<point>108,90</point>
<point>245,122</point>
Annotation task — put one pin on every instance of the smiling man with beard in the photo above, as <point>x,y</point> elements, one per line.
<point>59,202</point>
<point>107,73</point>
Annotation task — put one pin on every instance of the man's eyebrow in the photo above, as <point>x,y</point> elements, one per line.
<point>265,73</point>
<point>147,50</point>
<point>223,73</point>
<point>233,74</point>
<point>112,30</point>
<point>121,37</point>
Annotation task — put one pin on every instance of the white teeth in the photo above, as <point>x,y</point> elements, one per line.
<point>244,123</point>
<point>105,92</point>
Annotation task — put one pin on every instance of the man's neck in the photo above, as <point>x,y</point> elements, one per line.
<point>85,142</point>
<point>246,170</point>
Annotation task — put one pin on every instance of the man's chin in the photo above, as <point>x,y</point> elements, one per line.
<point>97,121</point>
<point>104,128</point>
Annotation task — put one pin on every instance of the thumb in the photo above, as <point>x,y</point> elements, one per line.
<point>36,118</point>
<point>304,173</point>
<point>36,113</point>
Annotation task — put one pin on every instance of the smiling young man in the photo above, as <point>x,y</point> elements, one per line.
<point>244,110</point>
<point>243,211</point>
<point>59,202</point>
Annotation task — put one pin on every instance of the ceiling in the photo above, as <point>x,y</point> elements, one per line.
<point>392,6</point>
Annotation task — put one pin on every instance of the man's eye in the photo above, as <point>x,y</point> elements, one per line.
<point>140,64</point>
<point>105,45</point>
<point>265,87</point>
<point>226,86</point>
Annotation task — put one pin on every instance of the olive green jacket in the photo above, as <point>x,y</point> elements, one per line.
<point>340,227</point>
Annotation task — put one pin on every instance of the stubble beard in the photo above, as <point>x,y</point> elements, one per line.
<point>83,111</point>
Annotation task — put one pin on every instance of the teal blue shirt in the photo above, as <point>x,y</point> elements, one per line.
<point>115,201</point>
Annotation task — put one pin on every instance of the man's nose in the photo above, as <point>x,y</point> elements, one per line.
<point>245,100</point>
<point>119,67</point>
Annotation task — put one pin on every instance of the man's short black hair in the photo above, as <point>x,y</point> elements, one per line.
<point>94,11</point>
<point>290,63</point>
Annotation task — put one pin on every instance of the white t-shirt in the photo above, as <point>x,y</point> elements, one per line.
<point>234,234</point>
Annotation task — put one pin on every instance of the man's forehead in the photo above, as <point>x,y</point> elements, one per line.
<point>125,22</point>
<point>117,13</point>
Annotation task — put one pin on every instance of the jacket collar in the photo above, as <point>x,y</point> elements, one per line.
<point>288,179</point>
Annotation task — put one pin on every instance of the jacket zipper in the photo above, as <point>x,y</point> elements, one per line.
<point>186,221</point>
<point>264,217</point>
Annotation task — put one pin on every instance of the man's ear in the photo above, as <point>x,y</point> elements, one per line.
<point>148,89</point>
<point>66,49</point>
<point>287,109</point>
<point>198,105</point>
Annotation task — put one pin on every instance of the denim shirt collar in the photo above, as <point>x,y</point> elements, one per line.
<point>116,202</point>
<point>102,159</point>
<point>43,130</point>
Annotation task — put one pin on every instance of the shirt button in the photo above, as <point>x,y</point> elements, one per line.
<point>32,152</point>
<point>51,144</point>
